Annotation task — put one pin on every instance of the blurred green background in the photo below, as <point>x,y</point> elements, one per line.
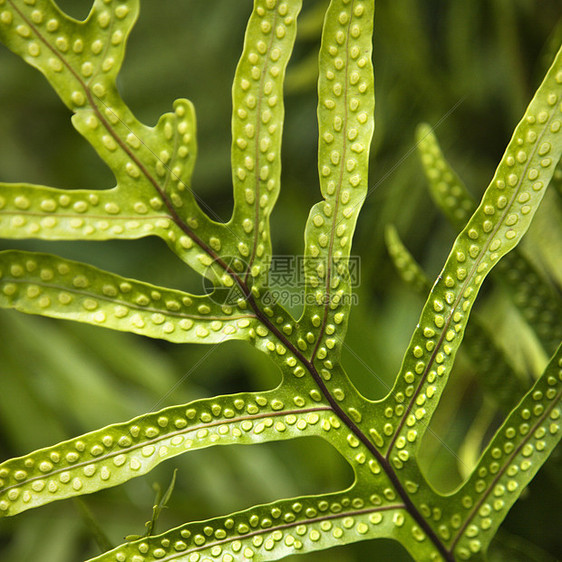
<point>468,67</point>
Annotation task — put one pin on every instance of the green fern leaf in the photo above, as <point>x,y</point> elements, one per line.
<point>59,288</point>
<point>503,386</point>
<point>520,447</point>
<point>390,496</point>
<point>273,531</point>
<point>257,127</point>
<point>345,104</point>
<point>114,454</point>
<point>531,293</point>
<point>494,229</point>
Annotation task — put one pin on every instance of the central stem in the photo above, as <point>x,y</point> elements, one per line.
<point>337,409</point>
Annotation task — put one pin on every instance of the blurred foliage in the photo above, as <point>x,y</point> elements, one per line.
<point>468,67</point>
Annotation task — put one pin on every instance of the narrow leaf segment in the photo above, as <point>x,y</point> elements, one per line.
<point>115,454</point>
<point>495,228</point>
<point>257,127</point>
<point>41,284</point>
<point>345,104</point>
<point>513,457</point>
<point>502,385</point>
<point>532,294</point>
<point>271,532</point>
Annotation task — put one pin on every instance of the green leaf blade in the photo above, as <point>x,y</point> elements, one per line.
<point>257,127</point>
<point>153,166</point>
<point>410,271</point>
<point>81,60</point>
<point>51,286</point>
<point>520,447</point>
<point>530,293</point>
<point>534,297</point>
<point>273,531</point>
<point>115,454</point>
<point>34,211</point>
<point>501,383</point>
<point>445,186</point>
<point>57,45</point>
<point>495,228</point>
<point>346,125</point>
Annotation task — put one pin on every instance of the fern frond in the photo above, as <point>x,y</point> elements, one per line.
<point>532,294</point>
